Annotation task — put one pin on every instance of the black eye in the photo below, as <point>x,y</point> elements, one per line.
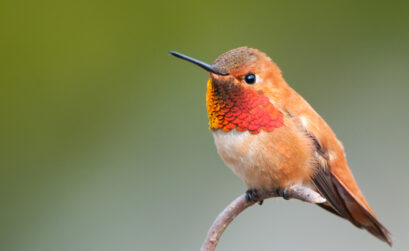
<point>250,78</point>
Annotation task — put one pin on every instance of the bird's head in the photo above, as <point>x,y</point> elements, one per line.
<point>241,90</point>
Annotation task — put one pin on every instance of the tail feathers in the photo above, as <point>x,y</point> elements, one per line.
<point>346,205</point>
<point>363,218</point>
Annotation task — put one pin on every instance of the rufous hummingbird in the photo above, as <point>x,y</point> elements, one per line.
<point>272,138</point>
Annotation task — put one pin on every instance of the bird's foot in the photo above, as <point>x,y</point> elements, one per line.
<point>252,196</point>
<point>283,193</point>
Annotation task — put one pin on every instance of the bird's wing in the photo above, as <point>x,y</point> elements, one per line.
<point>335,181</point>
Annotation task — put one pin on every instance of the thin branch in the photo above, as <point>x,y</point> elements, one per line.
<point>237,206</point>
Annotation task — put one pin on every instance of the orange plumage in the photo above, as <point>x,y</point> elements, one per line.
<point>272,138</point>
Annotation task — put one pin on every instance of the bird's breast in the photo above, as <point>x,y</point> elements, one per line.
<point>267,160</point>
<point>239,151</point>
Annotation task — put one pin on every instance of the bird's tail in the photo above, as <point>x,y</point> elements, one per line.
<point>362,217</point>
<point>345,204</point>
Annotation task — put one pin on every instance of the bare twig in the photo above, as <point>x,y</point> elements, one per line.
<point>241,203</point>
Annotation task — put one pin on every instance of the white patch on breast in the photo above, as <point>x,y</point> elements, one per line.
<point>230,148</point>
<point>229,143</point>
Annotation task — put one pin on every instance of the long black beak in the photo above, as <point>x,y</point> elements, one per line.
<point>205,66</point>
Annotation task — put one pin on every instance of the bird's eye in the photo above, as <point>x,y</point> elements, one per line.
<point>250,78</point>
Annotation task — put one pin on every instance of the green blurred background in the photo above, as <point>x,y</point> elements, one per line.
<point>104,140</point>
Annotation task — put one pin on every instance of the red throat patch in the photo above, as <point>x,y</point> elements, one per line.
<point>230,106</point>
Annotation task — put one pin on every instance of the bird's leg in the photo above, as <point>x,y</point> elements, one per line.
<point>285,194</point>
<point>253,196</point>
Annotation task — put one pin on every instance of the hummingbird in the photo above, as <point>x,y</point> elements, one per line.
<point>272,138</point>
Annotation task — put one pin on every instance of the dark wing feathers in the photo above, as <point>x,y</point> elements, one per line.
<point>344,204</point>
<point>341,201</point>
<point>362,217</point>
<point>323,181</point>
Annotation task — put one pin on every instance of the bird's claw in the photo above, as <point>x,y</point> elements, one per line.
<point>252,196</point>
<point>285,194</point>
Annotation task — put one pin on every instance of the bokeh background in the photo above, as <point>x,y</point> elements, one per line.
<point>104,139</point>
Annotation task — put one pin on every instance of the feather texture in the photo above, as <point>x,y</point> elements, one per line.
<point>288,143</point>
